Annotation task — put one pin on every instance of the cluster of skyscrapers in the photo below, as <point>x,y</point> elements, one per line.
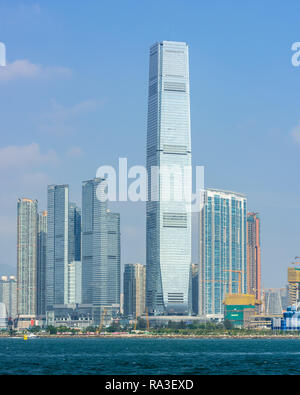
<point>70,256</point>
<point>67,256</point>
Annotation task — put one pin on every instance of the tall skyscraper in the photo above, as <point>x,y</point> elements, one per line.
<point>253,255</point>
<point>41,263</point>
<point>222,250</point>
<point>134,289</point>
<point>168,219</point>
<point>8,295</point>
<point>57,246</point>
<point>114,256</point>
<point>100,248</point>
<point>94,244</point>
<point>27,256</point>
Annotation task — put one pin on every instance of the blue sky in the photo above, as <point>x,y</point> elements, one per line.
<point>75,98</point>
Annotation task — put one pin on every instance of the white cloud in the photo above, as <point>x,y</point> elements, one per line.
<point>37,9</point>
<point>74,152</point>
<point>25,171</point>
<point>8,226</point>
<point>295,133</point>
<point>31,180</point>
<point>23,69</point>
<point>14,156</point>
<point>60,120</point>
<point>60,112</point>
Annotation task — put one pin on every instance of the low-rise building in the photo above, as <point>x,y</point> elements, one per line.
<point>261,321</point>
<point>239,308</point>
<point>290,320</point>
<point>27,321</point>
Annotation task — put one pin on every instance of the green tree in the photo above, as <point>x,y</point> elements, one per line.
<point>52,330</point>
<point>141,324</point>
<point>114,327</point>
<point>228,324</point>
<point>35,329</point>
<point>91,329</point>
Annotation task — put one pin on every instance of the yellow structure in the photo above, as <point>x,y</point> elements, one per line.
<point>239,299</point>
<point>294,274</point>
<point>294,284</point>
<point>239,308</point>
<point>102,320</point>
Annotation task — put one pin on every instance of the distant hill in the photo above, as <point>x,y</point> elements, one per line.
<point>7,270</point>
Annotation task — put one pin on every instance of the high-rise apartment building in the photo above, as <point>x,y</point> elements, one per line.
<point>74,282</point>
<point>134,289</point>
<point>27,226</point>
<point>253,255</point>
<point>100,248</point>
<point>8,295</point>
<point>57,246</point>
<point>222,250</point>
<point>168,217</point>
<point>41,263</point>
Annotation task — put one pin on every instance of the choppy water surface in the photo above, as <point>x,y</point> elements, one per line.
<point>149,356</point>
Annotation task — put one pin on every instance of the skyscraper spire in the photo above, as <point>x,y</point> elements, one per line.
<point>168,149</point>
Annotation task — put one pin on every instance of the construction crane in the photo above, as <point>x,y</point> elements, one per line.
<point>147,318</point>
<point>135,322</point>
<point>214,281</point>
<point>239,280</point>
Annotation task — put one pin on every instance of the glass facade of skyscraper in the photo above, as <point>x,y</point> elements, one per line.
<point>57,246</point>
<point>222,250</point>
<point>100,248</point>
<point>94,244</point>
<point>27,256</point>
<point>168,219</point>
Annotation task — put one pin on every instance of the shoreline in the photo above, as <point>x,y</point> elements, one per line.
<point>146,336</point>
